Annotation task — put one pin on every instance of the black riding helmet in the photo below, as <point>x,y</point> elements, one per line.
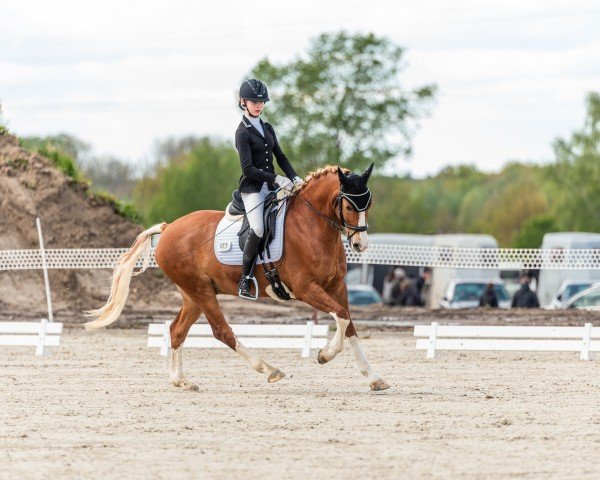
<point>254,90</point>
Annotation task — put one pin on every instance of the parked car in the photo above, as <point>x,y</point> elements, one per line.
<point>568,289</point>
<point>465,293</point>
<point>364,295</point>
<point>588,299</point>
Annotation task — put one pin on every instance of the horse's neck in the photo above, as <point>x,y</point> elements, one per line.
<point>322,198</point>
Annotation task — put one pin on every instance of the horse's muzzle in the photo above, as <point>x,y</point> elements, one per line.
<point>359,243</point>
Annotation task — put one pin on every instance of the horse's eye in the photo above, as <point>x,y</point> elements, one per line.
<point>348,208</point>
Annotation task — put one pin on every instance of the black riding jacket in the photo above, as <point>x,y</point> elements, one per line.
<point>256,157</point>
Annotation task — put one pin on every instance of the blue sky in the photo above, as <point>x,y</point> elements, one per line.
<point>512,75</point>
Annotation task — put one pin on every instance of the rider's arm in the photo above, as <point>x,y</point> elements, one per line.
<point>242,143</point>
<point>282,160</point>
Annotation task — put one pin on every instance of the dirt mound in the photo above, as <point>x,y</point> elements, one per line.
<point>30,187</point>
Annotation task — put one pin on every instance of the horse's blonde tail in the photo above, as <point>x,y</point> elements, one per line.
<point>122,277</point>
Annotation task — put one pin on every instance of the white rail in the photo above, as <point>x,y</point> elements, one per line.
<point>496,258</point>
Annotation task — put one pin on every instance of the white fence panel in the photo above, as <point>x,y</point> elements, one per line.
<point>505,338</point>
<point>40,335</point>
<point>304,337</point>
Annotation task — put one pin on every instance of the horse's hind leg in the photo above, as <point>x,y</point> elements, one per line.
<point>180,327</point>
<point>222,331</point>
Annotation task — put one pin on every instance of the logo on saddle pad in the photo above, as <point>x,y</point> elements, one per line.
<point>224,246</point>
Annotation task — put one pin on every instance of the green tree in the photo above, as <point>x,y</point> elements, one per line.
<point>577,172</point>
<point>344,103</point>
<point>533,230</point>
<point>62,143</point>
<point>112,175</point>
<point>201,179</point>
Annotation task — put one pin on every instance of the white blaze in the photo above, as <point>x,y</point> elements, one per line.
<point>363,238</point>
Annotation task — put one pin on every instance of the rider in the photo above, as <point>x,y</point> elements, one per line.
<point>256,143</point>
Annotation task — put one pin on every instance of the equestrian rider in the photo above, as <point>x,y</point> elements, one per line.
<point>256,143</point>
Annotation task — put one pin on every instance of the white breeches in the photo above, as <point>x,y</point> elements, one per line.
<point>253,203</point>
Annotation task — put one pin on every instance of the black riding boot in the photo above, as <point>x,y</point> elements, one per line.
<point>249,258</point>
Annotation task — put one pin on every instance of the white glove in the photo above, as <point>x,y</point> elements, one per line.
<point>298,182</point>
<point>284,182</point>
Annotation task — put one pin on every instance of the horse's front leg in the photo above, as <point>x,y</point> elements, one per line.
<point>315,296</point>
<point>340,297</point>
<point>376,381</point>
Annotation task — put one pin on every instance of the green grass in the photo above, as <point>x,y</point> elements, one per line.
<point>125,209</point>
<point>64,163</point>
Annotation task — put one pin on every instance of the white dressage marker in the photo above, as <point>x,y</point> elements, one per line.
<point>40,335</point>
<point>305,337</point>
<point>549,339</point>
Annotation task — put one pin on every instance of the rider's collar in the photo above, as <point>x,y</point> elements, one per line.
<point>360,201</point>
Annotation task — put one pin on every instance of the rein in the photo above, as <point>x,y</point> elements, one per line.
<point>344,227</point>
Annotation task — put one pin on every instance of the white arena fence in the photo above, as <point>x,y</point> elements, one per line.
<point>424,256</point>
<point>508,338</point>
<point>305,337</point>
<point>39,335</point>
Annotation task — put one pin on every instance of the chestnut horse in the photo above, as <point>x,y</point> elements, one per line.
<point>313,267</point>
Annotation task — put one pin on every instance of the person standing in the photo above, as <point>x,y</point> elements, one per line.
<point>488,297</point>
<point>524,297</point>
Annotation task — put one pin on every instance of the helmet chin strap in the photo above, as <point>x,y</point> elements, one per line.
<point>248,111</point>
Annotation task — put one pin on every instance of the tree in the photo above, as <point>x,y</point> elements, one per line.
<point>533,231</point>
<point>112,175</point>
<point>63,143</point>
<point>202,179</point>
<point>344,103</point>
<point>577,172</point>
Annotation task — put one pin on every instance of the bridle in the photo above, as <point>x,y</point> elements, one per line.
<point>360,202</point>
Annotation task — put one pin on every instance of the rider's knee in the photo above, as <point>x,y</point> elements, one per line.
<point>259,231</point>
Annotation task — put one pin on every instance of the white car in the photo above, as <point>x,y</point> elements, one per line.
<point>588,299</point>
<point>465,293</point>
<point>568,289</point>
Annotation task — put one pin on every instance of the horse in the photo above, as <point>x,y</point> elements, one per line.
<point>312,268</point>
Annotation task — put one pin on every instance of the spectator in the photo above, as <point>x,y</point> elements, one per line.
<point>488,297</point>
<point>423,284</point>
<point>391,283</point>
<point>524,297</point>
<point>407,294</point>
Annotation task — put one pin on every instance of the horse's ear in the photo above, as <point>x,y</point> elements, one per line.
<point>342,176</point>
<point>368,171</point>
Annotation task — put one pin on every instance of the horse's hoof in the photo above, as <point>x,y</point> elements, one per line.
<point>275,376</point>
<point>320,358</point>
<point>189,387</point>
<point>379,385</point>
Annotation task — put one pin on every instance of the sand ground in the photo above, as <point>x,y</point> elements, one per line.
<point>101,407</point>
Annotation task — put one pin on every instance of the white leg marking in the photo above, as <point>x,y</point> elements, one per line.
<point>336,344</point>
<point>258,364</point>
<point>376,382</point>
<point>363,364</point>
<point>176,375</point>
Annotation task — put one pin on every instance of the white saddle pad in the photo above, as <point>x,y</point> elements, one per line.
<point>227,246</point>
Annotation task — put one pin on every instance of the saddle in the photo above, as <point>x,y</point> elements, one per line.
<point>270,213</point>
<point>271,209</point>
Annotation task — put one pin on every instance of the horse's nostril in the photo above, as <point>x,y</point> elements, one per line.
<point>356,246</point>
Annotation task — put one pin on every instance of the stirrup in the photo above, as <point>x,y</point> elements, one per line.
<point>250,296</point>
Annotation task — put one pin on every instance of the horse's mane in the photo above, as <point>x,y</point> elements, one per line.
<point>327,169</point>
